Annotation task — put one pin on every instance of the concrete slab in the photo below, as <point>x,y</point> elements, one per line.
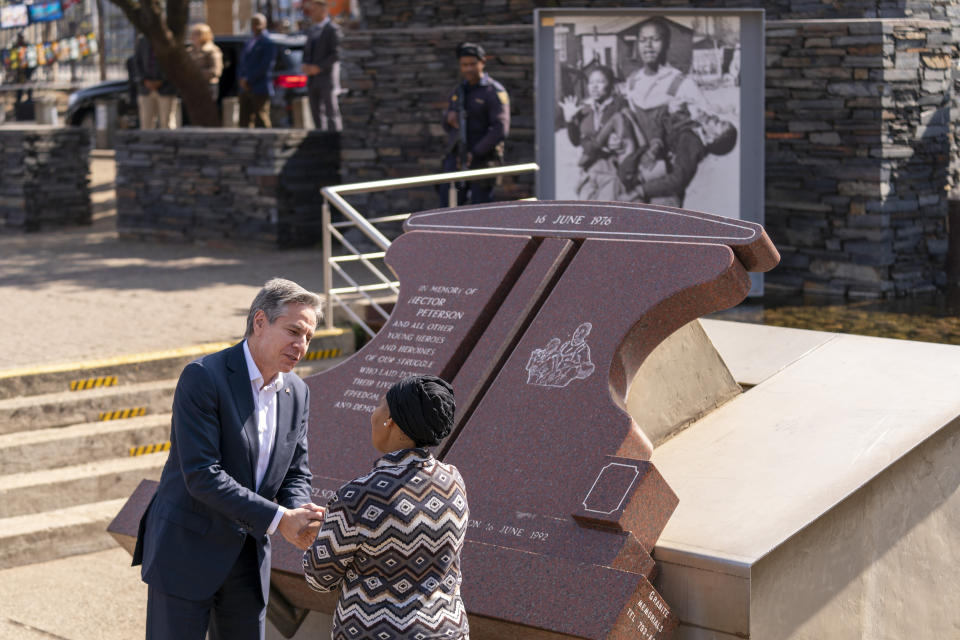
<point>804,440</point>
<point>49,489</point>
<point>18,415</point>
<point>780,458</point>
<point>681,380</point>
<point>63,446</point>
<point>94,595</point>
<point>755,352</point>
<point>68,531</point>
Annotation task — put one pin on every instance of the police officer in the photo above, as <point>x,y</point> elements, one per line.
<point>477,120</point>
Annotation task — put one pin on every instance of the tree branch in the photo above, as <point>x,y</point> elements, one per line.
<point>131,10</point>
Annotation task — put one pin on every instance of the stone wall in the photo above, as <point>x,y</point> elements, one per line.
<point>387,14</point>
<point>224,186</point>
<point>858,143</point>
<point>399,81</point>
<point>43,177</point>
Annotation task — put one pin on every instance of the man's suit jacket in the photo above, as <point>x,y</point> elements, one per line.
<point>256,62</point>
<point>323,50</point>
<point>206,504</point>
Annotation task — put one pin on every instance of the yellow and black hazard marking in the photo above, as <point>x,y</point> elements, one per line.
<point>121,414</point>
<point>93,383</point>
<point>149,448</point>
<point>322,354</point>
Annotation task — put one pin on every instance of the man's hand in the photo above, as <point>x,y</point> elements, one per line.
<point>244,84</point>
<point>152,85</point>
<point>295,523</point>
<point>311,69</point>
<point>453,119</point>
<point>309,533</point>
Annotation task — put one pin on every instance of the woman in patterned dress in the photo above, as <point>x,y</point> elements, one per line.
<point>391,539</point>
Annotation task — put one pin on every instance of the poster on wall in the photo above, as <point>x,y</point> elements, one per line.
<point>45,11</point>
<point>13,15</point>
<point>652,106</point>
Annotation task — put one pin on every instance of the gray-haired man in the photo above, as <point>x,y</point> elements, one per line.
<point>237,472</point>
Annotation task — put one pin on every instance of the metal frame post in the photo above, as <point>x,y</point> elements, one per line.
<point>327,267</point>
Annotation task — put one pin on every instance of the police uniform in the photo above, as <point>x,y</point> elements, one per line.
<point>487,108</point>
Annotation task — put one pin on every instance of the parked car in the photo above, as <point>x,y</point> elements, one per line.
<point>287,76</point>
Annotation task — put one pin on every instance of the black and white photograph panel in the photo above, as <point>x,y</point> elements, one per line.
<point>648,110</point>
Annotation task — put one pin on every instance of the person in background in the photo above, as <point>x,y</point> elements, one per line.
<point>156,98</point>
<point>321,63</point>
<point>585,121</point>
<point>689,134</point>
<point>207,56</point>
<point>256,61</point>
<point>24,72</point>
<point>390,541</point>
<point>482,103</point>
<point>658,84</point>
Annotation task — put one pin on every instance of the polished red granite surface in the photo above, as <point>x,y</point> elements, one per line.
<point>540,313</point>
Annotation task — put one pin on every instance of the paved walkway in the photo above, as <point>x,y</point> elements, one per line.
<point>82,293</point>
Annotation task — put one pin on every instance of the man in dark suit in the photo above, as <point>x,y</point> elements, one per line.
<point>321,63</point>
<point>237,472</point>
<point>256,61</point>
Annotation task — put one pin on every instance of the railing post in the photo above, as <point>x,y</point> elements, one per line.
<point>327,269</point>
<point>452,195</point>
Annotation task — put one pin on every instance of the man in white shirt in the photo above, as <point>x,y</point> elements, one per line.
<point>237,473</point>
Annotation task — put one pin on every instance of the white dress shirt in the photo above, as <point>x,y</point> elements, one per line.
<point>265,405</point>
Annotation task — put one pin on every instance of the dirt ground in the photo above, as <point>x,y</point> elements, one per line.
<point>82,293</point>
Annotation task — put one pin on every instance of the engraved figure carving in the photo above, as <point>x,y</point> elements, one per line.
<point>557,365</point>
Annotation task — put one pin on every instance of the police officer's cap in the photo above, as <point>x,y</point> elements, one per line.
<point>470,49</point>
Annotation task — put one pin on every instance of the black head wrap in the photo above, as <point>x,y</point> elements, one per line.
<point>470,49</point>
<point>422,406</point>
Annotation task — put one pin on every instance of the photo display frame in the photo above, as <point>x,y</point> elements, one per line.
<point>659,106</point>
<point>14,16</point>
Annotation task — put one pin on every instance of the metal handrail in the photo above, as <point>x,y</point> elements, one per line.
<point>333,195</point>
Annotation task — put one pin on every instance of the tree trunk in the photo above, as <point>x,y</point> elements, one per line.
<point>171,53</point>
<point>101,41</point>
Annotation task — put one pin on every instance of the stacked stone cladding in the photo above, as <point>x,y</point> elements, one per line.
<point>399,81</point>
<point>389,14</point>
<point>224,186</point>
<point>43,178</point>
<point>858,145</point>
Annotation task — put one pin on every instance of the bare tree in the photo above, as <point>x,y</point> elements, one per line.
<point>166,36</point>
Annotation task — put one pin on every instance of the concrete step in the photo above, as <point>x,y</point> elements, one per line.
<point>50,489</point>
<point>56,447</point>
<point>130,400</point>
<point>62,532</point>
<point>144,367</point>
<point>70,408</point>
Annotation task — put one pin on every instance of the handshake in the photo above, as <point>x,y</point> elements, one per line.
<point>299,526</point>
